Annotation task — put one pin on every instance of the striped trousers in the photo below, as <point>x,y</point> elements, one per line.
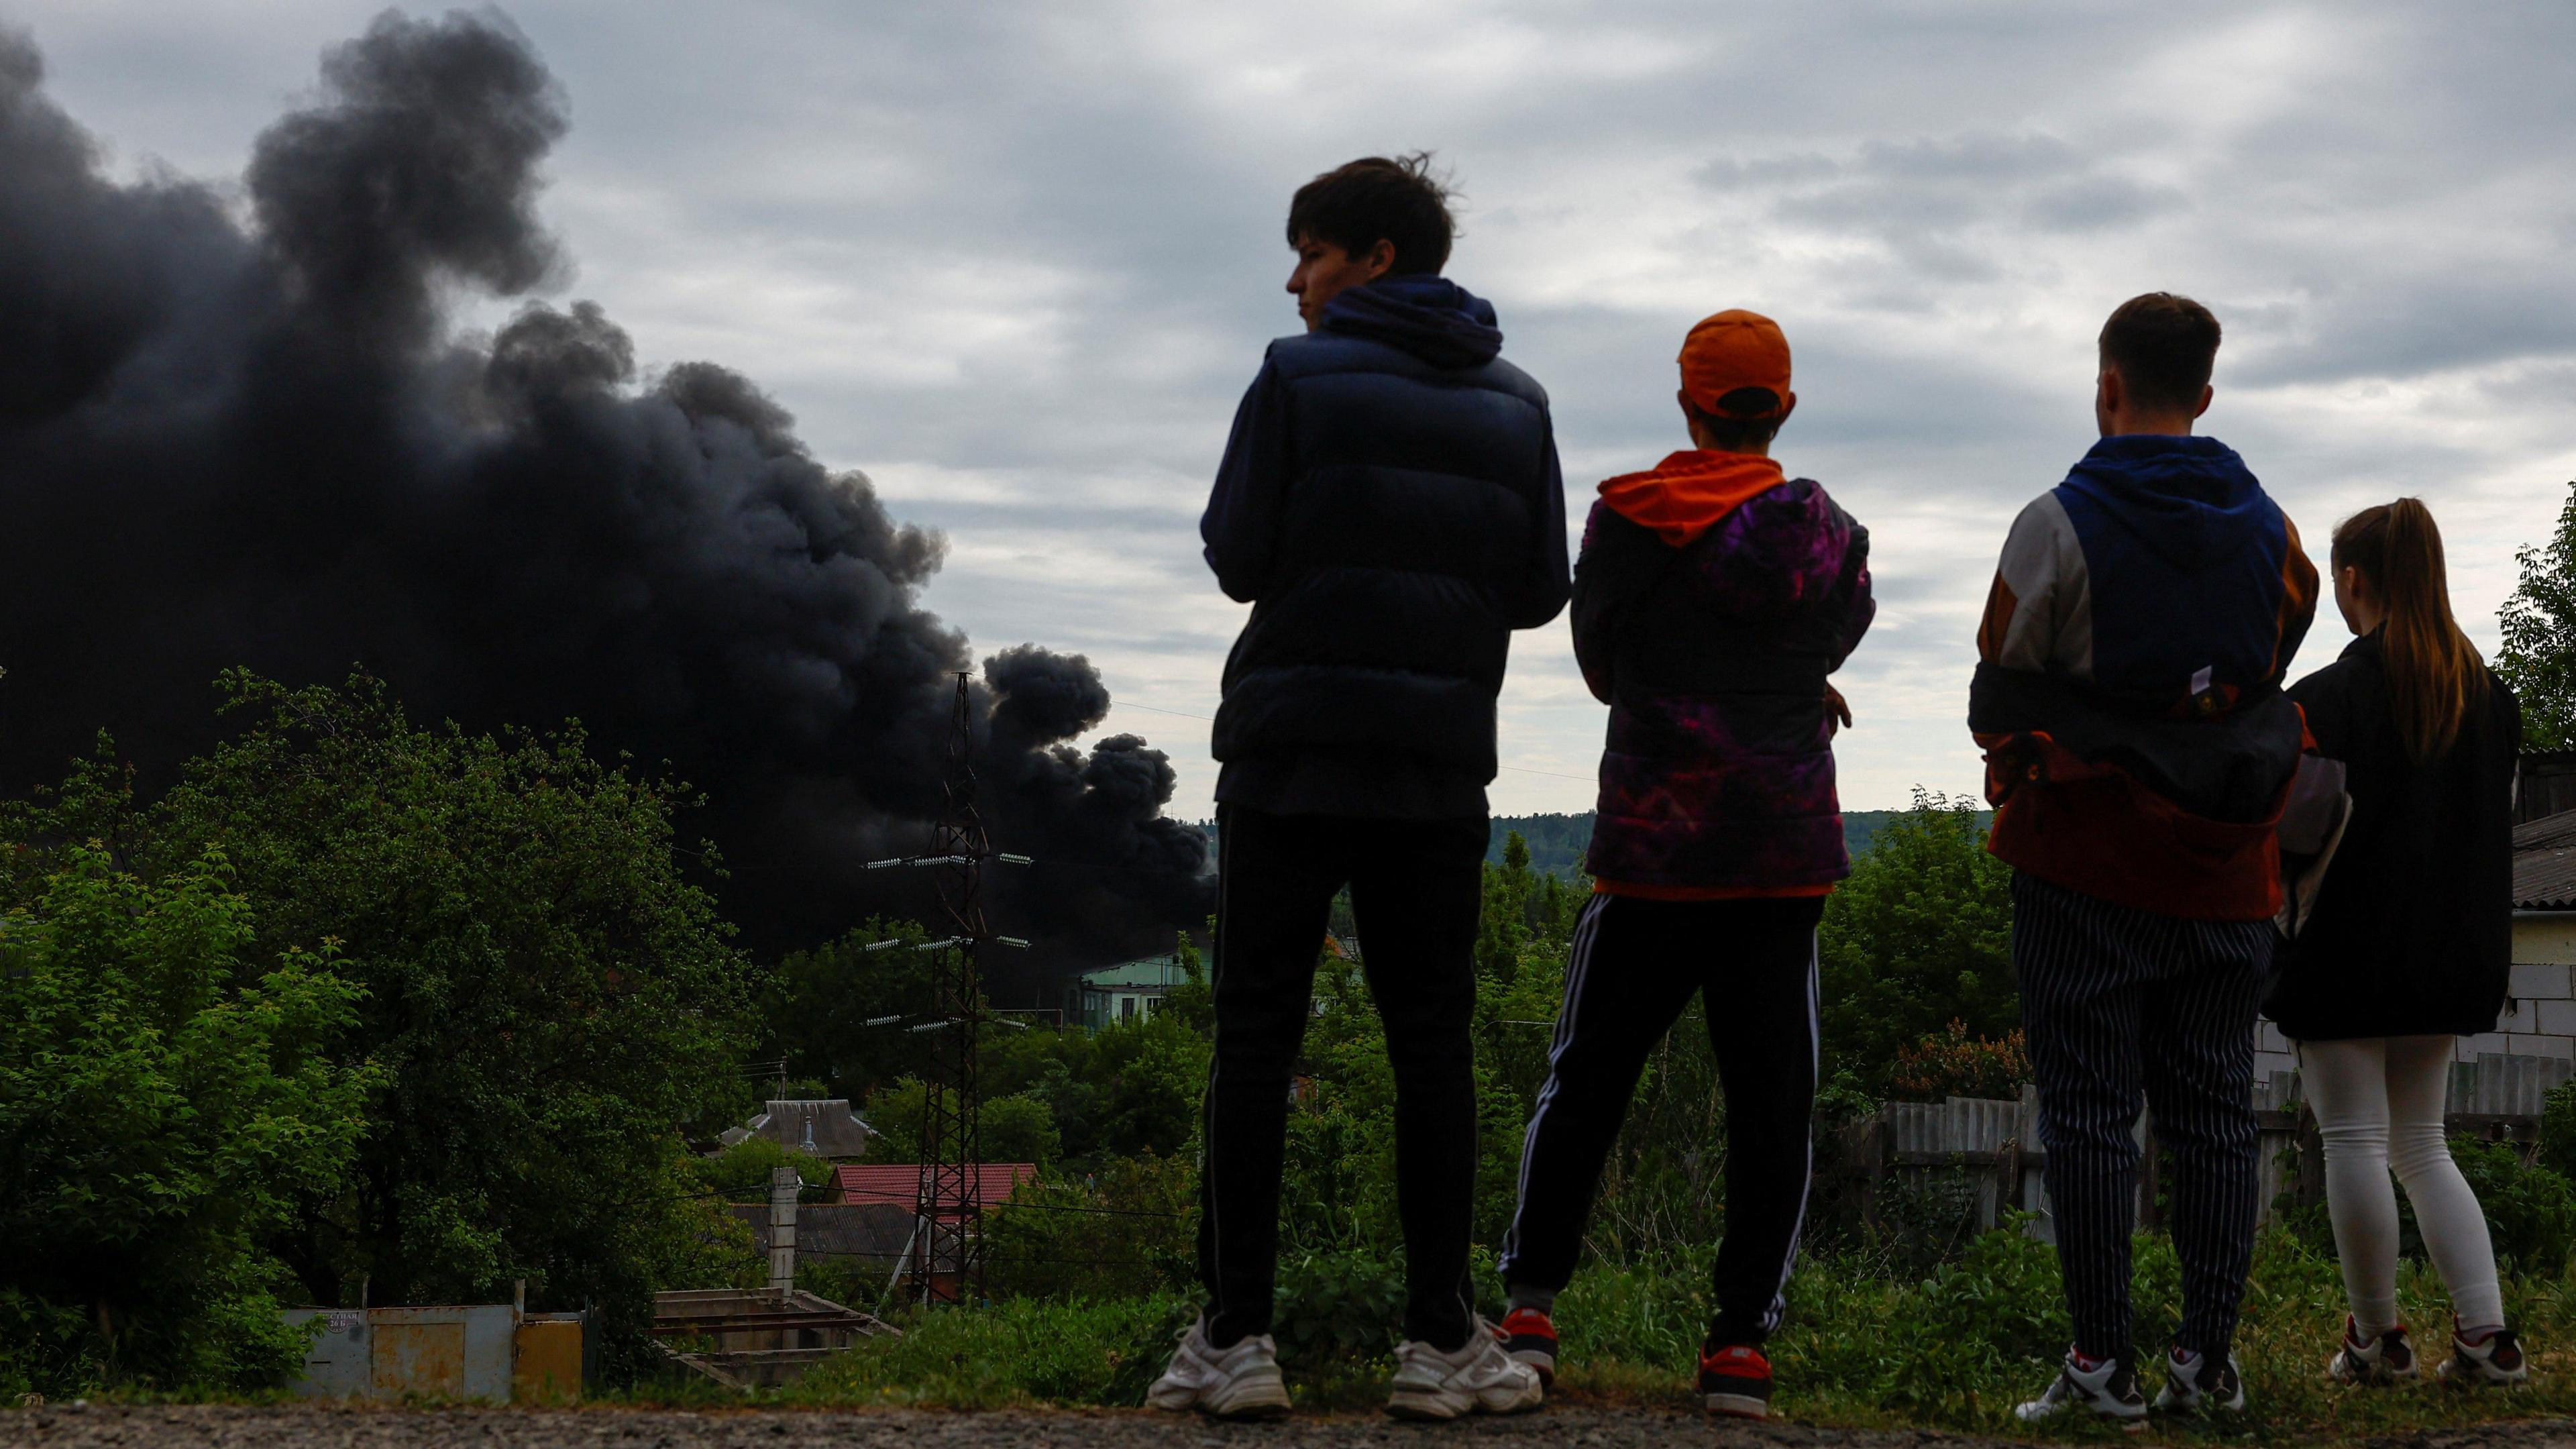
<point>2116,1003</point>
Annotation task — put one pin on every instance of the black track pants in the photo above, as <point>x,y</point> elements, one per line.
<point>1416,890</point>
<point>1634,966</point>
<point>2116,1003</point>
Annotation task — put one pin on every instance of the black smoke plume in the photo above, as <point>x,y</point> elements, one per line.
<point>227,442</point>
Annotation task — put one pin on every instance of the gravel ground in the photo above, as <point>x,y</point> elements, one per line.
<point>317,1427</point>
<point>1577,1426</point>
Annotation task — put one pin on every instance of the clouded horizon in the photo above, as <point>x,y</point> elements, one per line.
<point>1017,262</point>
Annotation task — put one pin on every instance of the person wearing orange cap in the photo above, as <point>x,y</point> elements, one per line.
<point>1712,598</point>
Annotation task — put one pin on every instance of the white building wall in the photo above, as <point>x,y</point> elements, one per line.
<point>2540,1010</point>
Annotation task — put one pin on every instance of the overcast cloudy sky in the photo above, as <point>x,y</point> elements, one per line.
<point>1017,261</point>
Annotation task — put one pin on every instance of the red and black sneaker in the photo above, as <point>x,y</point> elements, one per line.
<point>1735,1381</point>
<point>1530,1336</point>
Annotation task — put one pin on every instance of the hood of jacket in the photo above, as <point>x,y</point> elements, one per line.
<point>1433,318</point>
<point>2189,500</point>
<point>1687,494</point>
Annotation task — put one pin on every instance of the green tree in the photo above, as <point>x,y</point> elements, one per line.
<point>1919,936</point>
<point>1011,1128</point>
<point>817,1006</point>
<point>2539,621</point>
<point>547,998</point>
<point>166,1107</point>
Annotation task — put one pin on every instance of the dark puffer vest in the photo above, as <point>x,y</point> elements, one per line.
<point>1718,775</point>
<point>1391,508</point>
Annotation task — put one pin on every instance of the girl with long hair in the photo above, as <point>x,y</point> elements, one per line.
<point>2409,941</point>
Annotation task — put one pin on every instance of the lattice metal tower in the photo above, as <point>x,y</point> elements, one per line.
<point>951,1145</point>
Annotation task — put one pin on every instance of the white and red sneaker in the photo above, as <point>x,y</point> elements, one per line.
<point>1529,1335</point>
<point>2492,1359</point>
<point>2383,1360</point>
<point>1735,1382</point>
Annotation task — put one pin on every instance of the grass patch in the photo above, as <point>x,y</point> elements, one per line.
<point>1862,1346</point>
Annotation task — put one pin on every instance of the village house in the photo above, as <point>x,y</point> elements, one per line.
<point>1123,992</point>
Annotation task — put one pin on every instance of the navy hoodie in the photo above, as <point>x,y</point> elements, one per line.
<point>1390,506</point>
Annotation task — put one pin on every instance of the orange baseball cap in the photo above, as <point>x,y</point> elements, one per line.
<point>1733,349</point>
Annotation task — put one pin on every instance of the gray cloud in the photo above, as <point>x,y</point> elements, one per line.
<point>1017,261</point>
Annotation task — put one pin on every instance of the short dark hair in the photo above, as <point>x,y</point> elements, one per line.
<point>1375,199</point>
<point>2164,347</point>
<point>1747,417</point>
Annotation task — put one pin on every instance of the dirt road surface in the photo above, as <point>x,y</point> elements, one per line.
<point>1577,1427</point>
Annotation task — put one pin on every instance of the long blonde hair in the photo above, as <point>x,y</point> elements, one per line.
<point>2434,672</point>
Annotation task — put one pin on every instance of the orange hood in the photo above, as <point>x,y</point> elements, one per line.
<point>1686,494</point>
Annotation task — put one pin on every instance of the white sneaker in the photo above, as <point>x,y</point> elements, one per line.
<point>2192,1386</point>
<point>1241,1382</point>
<point>2385,1359</point>
<point>2495,1359</point>
<point>1479,1378</point>
<point>2109,1388</point>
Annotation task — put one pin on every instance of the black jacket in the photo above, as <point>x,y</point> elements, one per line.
<point>1390,506</point>
<point>2413,929</point>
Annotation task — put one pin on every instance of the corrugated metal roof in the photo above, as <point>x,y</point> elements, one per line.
<point>824,1126</point>
<point>1152,971</point>
<point>2544,863</point>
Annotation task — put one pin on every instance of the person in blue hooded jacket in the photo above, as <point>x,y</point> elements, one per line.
<point>2139,750</point>
<point>1390,506</point>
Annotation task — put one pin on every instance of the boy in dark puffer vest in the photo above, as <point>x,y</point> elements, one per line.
<point>1712,598</point>
<point>1391,508</point>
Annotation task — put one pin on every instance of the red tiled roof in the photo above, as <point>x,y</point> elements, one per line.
<point>900,1182</point>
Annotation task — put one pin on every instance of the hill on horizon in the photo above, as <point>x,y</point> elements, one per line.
<point>1557,842</point>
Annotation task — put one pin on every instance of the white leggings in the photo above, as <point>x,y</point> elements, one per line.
<point>2379,1107</point>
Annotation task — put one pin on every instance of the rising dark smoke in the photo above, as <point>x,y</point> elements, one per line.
<point>262,444</point>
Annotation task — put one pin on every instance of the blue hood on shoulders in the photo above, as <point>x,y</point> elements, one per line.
<point>1433,318</point>
<point>2191,501</point>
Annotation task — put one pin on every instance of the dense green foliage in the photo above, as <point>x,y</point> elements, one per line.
<point>168,1104</point>
<point>2539,622</point>
<point>538,995</point>
<point>1918,937</point>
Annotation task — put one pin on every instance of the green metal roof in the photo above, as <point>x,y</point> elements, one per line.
<point>1152,971</point>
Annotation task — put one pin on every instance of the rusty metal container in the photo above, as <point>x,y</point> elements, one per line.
<point>488,1352</point>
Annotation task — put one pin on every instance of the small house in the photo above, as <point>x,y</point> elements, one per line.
<point>1121,993</point>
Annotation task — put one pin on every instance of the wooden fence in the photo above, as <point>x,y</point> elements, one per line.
<point>1995,1145</point>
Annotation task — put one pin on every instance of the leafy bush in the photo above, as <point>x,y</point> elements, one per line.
<point>1346,1305</point>
<point>1122,1230</point>
<point>2557,1149</point>
<point>2530,1210</point>
<point>1950,1063</point>
<point>1097,1352</point>
<point>741,1172</point>
<point>1918,936</point>
<point>166,1106</point>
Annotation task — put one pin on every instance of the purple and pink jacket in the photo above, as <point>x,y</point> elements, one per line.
<point>1711,600</point>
